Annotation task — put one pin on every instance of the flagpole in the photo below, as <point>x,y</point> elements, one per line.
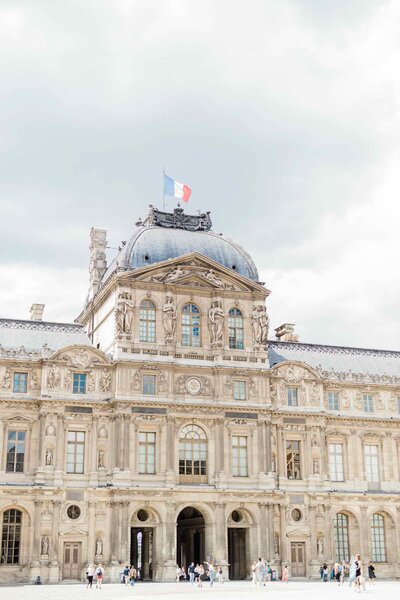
<point>163,189</point>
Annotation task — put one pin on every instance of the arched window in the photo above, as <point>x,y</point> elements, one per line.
<point>378,538</point>
<point>235,329</point>
<point>191,326</point>
<point>11,536</point>
<point>192,455</point>
<point>341,529</point>
<point>147,315</point>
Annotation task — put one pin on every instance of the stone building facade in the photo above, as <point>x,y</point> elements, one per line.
<point>163,427</point>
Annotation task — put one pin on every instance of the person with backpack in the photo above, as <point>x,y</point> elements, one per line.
<point>99,576</point>
<point>191,571</point>
<point>126,575</point>
<point>132,575</point>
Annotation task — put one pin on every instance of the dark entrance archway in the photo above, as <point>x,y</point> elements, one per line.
<point>190,537</point>
<point>237,552</point>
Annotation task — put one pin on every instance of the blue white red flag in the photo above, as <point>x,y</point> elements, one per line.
<point>176,189</point>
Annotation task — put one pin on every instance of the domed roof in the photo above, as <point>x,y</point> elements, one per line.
<point>169,235</point>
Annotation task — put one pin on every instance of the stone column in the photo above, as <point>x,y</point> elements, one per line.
<point>271,533</point>
<point>125,531</point>
<point>220,534</point>
<point>93,445</point>
<point>60,443</point>
<point>127,444</point>
<point>263,549</point>
<point>91,533</point>
<point>169,547</point>
<point>364,533</point>
<point>116,441</point>
<point>114,530</point>
<point>268,453</point>
<point>40,441</point>
<point>261,450</point>
<point>36,531</point>
<point>281,458</point>
<point>121,463</point>
<point>313,536</point>
<point>328,550</point>
<point>170,452</point>
<point>283,540</point>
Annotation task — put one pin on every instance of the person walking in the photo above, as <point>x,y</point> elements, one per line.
<point>360,580</point>
<point>371,573</point>
<point>211,573</point>
<point>220,575</point>
<point>126,575</point>
<point>99,576</point>
<point>285,574</point>
<point>352,571</point>
<point>89,576</point>
<point>178,571</point>
<point>132,575</point>
<point>254,572</point>
<point>325,572</point>
<point>343,572</point>
<point>201,576</point>
<point>337,570</point>
<point>191,570</point>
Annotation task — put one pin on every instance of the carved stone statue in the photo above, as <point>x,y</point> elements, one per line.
<point>314,441</point>
<point>6,384</point>
<point>101,460</point>
<point>105,381</point>
<point>102,433</point>
<point>91,382</point>
<point>50,430</point>
<point>316,466</point>
<point>260,324</point>
<point>124,314</point>
<point>174,275</point>
<point>68,381</point>
<point>53,378</point>
<point>45,546</point>
<point>320,545</point>
<point>211,276</point>
<point>169,318</point>
<point>99,547</point>
<point>49,457</point>
<point>276,544</point>
<point>216,323</point>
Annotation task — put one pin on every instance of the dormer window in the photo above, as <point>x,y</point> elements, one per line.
<point>20,383</point>
<point>191,326</point>
<point>79,383</point>
<point>235,329</point>
<point>147,327</point>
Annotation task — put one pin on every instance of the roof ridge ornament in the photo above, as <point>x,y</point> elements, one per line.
<point>178,220</point>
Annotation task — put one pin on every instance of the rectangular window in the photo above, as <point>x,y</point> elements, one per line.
<point>149,385</point>
<point>20,383</point>
<point>368,402</point>
<point>292,398</point>
<point>239,390</point>
<point>147,452</point>
<point>371,463</point>
<point>79,386</point>
<point>336,462</point>
<point>75,451</point>
<point>293,463</point>
<point>333,400</point>
<point>15,451</point>
<point>239,456</point>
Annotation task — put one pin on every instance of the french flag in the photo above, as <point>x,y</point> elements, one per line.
<point>176,189</point>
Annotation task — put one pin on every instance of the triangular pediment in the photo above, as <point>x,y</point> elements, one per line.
<point>195,270</point>
<point>81,356</point>
<point>73,531</point>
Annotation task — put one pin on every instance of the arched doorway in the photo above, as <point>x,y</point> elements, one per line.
<point>142,544</point>
<point>190,537</point>
<point>238,545</point>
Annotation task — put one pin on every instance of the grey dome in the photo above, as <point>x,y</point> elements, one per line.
<point>150,245</point>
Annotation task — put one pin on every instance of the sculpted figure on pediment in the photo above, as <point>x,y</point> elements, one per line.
<point>124,313</point>
<point>252,387</point>
<point>216,318</point>
<point>34,380</point>
<point>53,378</point>
<point>260,325</point>
<point>171,276</point>
<point>213,278</point>
<point>91,382</point>
<point>169,318</point>
<point>68,381</point>
<point>314,441</point>
<point>49,457</point>
<point>358,401</point>
<point>228,386</point>
<point>136,381</point>
<point>345,400</point>
<point>380,405</point>
<point>105,381</point>
<point>314,394</point>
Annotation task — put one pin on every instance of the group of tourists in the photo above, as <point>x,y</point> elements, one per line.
<point>95,572</point>
<point>261,572</point>
<point>197,574</point>
<point>353,570</point>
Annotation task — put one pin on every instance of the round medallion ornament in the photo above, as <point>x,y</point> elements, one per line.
<point>73,512</point>
<point>296,515</point>
<point>193,386</point>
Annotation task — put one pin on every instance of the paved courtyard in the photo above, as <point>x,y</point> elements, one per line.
<point>294,590</point>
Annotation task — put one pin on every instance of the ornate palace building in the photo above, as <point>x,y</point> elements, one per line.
<point>163,427</point>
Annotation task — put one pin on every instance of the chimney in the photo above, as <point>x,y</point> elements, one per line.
<point>36,312</point>
<point>285,333</point>
<point>98,259</point>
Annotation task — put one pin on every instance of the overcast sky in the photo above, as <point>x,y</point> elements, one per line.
<point>282,116</point>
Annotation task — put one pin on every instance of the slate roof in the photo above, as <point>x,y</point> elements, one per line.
<point>353,363</point>
<point>34,335</point>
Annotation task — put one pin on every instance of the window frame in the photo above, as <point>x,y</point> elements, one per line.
<point>75,444</point>
<point>193,448</point>
<point>239,468</point>
<point>147,326</point>
<point>236,340</point>
<point>335,397</point>
<point>190,327</point>
<point>77,378</point>
<point>378,538</point>
<point>368,403</point>
<point>334,463</point>
<point>16,528</point>
<point>341,537</point>
<point>371,475</point>
<point>289,390</point>
<point>23,382</point>
<point>146,466</point>
<point>294,459</point>
<point>240,386</point>
<point>147,388</point>
<point>17,441</point>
